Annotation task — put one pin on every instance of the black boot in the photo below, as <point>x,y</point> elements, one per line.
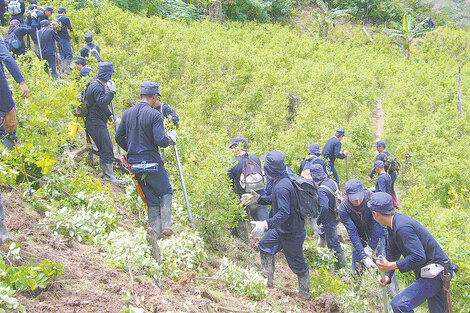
<point>304,284</point>
<point>154,248</point>
<point>165,209</point>
<point>267,267</point>
<point>108,174</point>
<point>155,220</point>
<point>4,235</point>
<point>341,259</point>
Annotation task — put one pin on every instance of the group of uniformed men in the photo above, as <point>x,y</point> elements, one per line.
<point>370,218</point>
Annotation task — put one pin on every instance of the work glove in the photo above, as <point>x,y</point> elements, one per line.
<point>113,119</point>
<point>250,198</point>
<point>111,86</point>
<point>368,262</point>
<point>34,14</point>
<point>368,251</point>
<point>173,136</point>
<point>259,228</point>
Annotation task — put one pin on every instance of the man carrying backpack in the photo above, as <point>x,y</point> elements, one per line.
<point>8,113</point>
<point>384,155</point>
<point>98,101</point>
<point>141,133</point>
<point>82,67</point>
<point>15,38</point>
<point>90,48</point>
<point>65,48</point>
<point>327,193</point>
<point>244,168</point>
<point>47,38</point>
<point>16,8</point>
<point>312,158</point>
<point>332,151</point>
<point>384,181</point>
<point>285,225</point>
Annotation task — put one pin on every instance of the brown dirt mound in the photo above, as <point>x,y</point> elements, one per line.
<point>326,304</point>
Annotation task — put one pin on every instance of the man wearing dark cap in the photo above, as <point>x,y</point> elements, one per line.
<point>366,235</point>
<point>7,111</point>
<point>285,226</point>
<point>17,32</point>
<point>99,95</point>
<point>47,38</point>
<point>82,67</point>
<point>332,151</point>
<point>327,189</point>
<point>141,133</point>
<point>19,16</point>
<point>258,212</point>
<point>383,153</point>
<point>384,181</point>
<point>65,48</point>
<point>90,49</point>
<point>313,157</point>
<point>421,254</point>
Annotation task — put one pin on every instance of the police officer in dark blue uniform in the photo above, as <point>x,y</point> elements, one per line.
<point>99,95</point>
<point>90,46</point>
<point>20,16</point>
<point>410,239</point>
<point>384,181</point>
<point>65,48</point>
<point>81,65</point>
<point>19,32</point>
<point>381,149</point>
<point>332,151</point>
<point>7,112</point>
<point>47,38</point>
<point>327,216</point>
<point>141,133</point>
<point>366,235</point>
<point>313,158</point>
<point>285,226</point>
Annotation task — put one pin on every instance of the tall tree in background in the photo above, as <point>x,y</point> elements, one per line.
<point>326,17</point>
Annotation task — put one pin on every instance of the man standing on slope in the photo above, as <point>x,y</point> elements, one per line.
<point>384,181</point>
<point>422,255</point>
<point>65,48</point>
<point>8,112</point>
<point>285,226</point>
<point>383,153</point>
<point>332,151</point>
<point>141,133</point>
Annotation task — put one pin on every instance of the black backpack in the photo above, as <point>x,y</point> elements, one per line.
<point>81,110</point>
<point>307,197</point>
<point>11,41</point>
<point>252,177</point>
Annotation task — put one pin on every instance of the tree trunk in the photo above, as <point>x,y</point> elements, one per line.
<point>459,94</point>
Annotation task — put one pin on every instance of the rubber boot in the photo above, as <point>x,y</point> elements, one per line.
<point>4,235</point>
<point>267,267</point>
<point>321,242</point>
<point>165,207</point>
<point>108,173</point>
<point>154,248</point>
<point>393,288</point>
<point>66,66</point>
<point>155,220</point>
<point>341,259</point>
<point>304,284</point>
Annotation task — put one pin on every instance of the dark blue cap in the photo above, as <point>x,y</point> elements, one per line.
<point>380,143</point>
<point>314,149</point>
<point>381,202</point>
<point>49,8</point>
<point>149,88</point>
<point>61,10</point>
<point>44,22</point>
<point>14,22</point>
<point>340,132</point>
<point>379,164</point>
<point>354,189</point>
<point>88,37</point>
<point>318,174</point>
<point>242,143</point>
<point>274,164</point>
<point>80,60</point>
<point>33,2</point>
<point>105,71</point>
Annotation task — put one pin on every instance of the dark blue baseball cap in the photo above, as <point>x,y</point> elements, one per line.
<point>49,8</point>
<point>314,149</point>
<point>380,143</point>
<point>318,174</point>
<point>379,164</point>
<point>381,202</point>
<point>242,143</point>
<point>354,189</point>
<point>340,132</point>
<point>44,23</point>
<point>80,60</point>
<point>88,37</point>
<point>149,88</point>
<point>61,10</point>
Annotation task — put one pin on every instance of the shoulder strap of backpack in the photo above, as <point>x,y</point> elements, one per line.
<point>328,188</point>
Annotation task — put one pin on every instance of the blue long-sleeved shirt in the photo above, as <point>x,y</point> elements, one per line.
<point>47,36</point>
<point>85,71</point>
<point>360,224</point>
<point>85,51</point>
<point>332,150</point>
<point>64,32</point>
<point>384,183</point>
<point>141,133</point>
<point>20,32</point>
<point>410,239</point>
<point>311,160</point>
<point>236,170</point>
<point>380,157</point>
<point>283,216</point>
<point>98,101</point>
<point>326,198</point>
<point>6,100</point>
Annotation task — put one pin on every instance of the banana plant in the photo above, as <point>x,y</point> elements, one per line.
<point>327,17</point>
<point>406,32</point>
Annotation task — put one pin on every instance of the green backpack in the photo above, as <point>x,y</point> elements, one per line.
<point>391,163</point>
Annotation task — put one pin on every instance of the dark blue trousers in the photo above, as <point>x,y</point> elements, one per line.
<point>393,176</point>
<point>328,220</point>
<point>331,168</point>
<point>155,185</point>
<point>50,65</point>
<point>259,212</point>
<point>415,294</point>
<point>272,242</point>
<point>65,49</point>
<point>102,140</point>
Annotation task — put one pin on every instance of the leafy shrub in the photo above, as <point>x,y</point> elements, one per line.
<point>243,281</point>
